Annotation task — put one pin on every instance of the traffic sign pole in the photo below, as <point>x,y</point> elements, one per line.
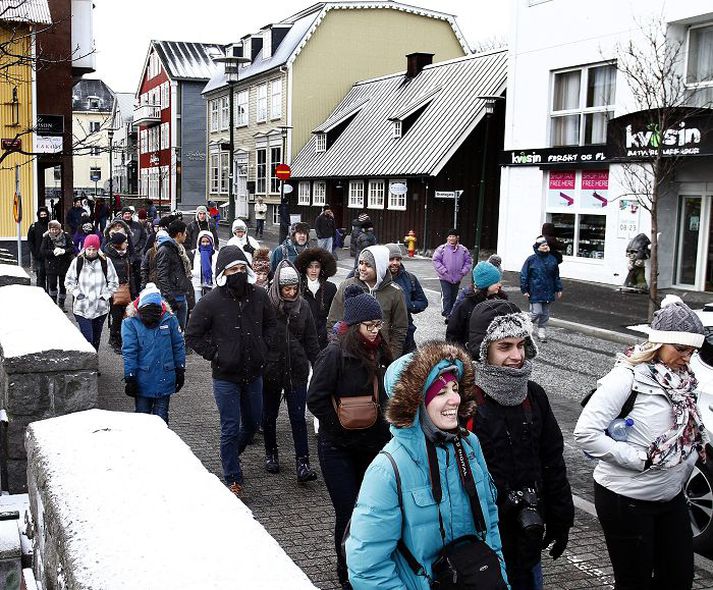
<point>17,210</point>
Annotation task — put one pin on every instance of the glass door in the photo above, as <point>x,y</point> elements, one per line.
<point>689,233</point>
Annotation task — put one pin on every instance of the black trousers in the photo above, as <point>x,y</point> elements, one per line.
<point>41,272</point>
<point>650,543</point>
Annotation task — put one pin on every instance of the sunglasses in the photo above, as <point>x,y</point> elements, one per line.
<point>373,326</point>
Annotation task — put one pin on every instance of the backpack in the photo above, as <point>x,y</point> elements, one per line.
<point>625,409</point>
<point>102,261</point>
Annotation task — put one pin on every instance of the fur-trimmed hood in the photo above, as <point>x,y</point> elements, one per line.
<point>127,229</point>
<point>326,261</point>
<point>132,309</point>
<point>406,376</point>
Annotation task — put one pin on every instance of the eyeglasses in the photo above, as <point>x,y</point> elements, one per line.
<point>373,326</point>
<point>684,350</point>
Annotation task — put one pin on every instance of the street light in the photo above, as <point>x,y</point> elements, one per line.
<point>489,110</point>
<point>110,134</point>
<point>284,204</point>
<point>231,63</point>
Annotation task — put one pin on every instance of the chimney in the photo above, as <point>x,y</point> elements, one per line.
<point>415,62</point>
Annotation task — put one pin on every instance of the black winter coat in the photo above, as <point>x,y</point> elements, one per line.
<point>521,455</point>
<point>35,236</point>
<point>324,226</point>
<point>121,264</point>
<point>171,274</point>
<point>340,375</point>
<point>293,348</point>
<point>458,329</point>
<point>232,333</point>
<point>57,265</point>
<point>319,304</point>
<point>195,227</point>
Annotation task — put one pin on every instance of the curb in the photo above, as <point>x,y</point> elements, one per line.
<point>602,333</point>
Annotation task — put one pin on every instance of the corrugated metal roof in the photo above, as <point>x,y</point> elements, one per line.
<point>27,11</point>
<point>188,61</point>
<point>366,148</point>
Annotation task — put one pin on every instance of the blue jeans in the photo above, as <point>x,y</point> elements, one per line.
<point>158,406</point>
<point>259,227</point>
<point>271,395</point>
<point>240,409</point>
<point>540,313</point>
<point>325,243</point>
<point>91,329</point>
<point>531,580</point>
<point>449,292</point>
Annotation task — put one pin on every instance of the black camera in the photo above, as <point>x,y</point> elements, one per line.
<point>524,502</point>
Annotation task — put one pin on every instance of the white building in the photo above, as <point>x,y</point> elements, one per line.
<point>557,165</point>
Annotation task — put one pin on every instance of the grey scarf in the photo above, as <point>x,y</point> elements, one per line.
<point>432,432</point>
<point>506,385</point>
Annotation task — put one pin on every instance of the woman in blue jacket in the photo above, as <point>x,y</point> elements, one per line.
<point>429,389</point>
<point>154,353</point>
<point>540,283</point>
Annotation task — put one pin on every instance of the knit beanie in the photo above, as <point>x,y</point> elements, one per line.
<point>229,256</point>
<point>91,241</point>
<point>360,306</point>
<point>453,232</point>
<point>486,274</point>
<point>676,323</point>
<point>127,210</point>
<point>444,376</point>
<point>495,319</point>
<point>149,295</point>
<point>288,276</point>
<point>54,223</point>
<point>496,261</point>
<point>394,251</point>
<point>201,209</point>
<point>368,257</point>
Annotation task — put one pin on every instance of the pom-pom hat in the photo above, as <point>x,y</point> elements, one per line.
<point>676,323</point>
<point>150,295</point>
<point>359,306</point>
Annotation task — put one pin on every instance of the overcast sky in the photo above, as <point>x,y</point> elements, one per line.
<point>123,28</point>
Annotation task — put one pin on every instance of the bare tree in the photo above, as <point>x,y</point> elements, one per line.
<point>652,66</point>
<point>489,44</point>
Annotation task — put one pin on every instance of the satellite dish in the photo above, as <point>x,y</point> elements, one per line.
<point>398,188</point>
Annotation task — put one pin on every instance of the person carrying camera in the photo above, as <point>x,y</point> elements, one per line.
<point>521,441</point>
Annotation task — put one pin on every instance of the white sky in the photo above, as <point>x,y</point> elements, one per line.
<point>123,28</point>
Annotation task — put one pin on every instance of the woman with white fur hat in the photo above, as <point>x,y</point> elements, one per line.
<point>242,240</point>
<point>638,482</point>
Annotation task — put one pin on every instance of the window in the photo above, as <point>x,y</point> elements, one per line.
<point>276,99</point>
<point>303,193</point>
<point>224,172</point>
<point>165,139</point>
<point>261,103</point>
<point>319,192</point>
<point>165,184</point>
<point>213,115</point>
<point>214,172</point>
<point>164,95</point>
<point>356,194</point>
<point>261,158</point>
<point>576,204</point>
<point>699,66</point>
<point>144,185</point>
<point>397,201</point>
<point>275,215</point>
<point>241,109</point>
<point>153,183</point>
<point>321,143</point>
<point>95,150</point>
<point>275,159</point>
<point>144,141</point>
<point>582,104</point>
<point>94,126</point>
<point>376,194</point>
<point>396,129</point>
<point>224,112</point>
<point>154,67</point>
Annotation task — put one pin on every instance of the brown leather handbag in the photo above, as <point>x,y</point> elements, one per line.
<point>358,412</point>
<point>122,296</point>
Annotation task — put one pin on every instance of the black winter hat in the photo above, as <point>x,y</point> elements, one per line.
<point>326,261</point>
<point>118,238</point>
<point>229,256</point>
<point>495,319</point>
<point>359,306</point>
<point>453,232</point>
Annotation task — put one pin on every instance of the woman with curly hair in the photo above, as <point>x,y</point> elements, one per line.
<point>315,266</point>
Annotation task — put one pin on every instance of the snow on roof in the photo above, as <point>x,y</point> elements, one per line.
<point>138,510</point>
<point>27,11</point>
<point>32,324</point>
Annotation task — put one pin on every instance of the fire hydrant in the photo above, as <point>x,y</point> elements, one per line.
<point>410,241</point>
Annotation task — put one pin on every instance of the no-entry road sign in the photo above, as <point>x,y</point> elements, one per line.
<point>283,172</point>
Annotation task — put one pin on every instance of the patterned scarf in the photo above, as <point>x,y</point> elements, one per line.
<point>687,434</point>
<point>506,385</point>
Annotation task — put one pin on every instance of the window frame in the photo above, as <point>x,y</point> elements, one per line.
<point>214,173</point>
<point>319,193</point>
<point>356,194</point>
<point>242,108</point>
<point>224,173</point>
<point>704,83</point>
<point>304,196</point>
<point>396,129</point>
<point>274,181</point>
<point>261,190</point>
<point>393,200</point>
<point>276,113</point>
<point>214,109</point>
<point>372,201</point>
<point>320,144</point>
<point>261,113</point>
<point>224,112</point>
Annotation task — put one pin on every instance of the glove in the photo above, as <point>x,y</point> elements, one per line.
<point>180,378</point>
<point>58,251</point>
<point>558,538</point>
<point>132,386</point>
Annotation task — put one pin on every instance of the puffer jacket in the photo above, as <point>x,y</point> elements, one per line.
<point>152,355</point>
<point>452,264</point>
<point>540,277</point>
<point>621,463</point>
<point>91,290</point>
<point>378,523</point>
<point>171,272</point>
<point>57,265</point>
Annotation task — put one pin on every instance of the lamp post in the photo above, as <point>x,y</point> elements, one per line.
<point>489,110</point>
<point>110,134</point>
<point>284,204</point>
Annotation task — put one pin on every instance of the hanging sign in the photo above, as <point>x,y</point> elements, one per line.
<point>561,191</point>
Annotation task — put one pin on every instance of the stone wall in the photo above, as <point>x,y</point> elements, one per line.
<point>47,368</point>
<point>119,501</point>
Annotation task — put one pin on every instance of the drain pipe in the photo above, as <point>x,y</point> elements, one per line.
<point>4,479</point>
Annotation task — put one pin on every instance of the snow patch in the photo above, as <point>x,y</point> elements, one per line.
<point>13,270</point>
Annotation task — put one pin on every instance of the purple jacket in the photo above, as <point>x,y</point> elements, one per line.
<point>452,264</point>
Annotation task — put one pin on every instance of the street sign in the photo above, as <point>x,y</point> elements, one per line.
<point>11,144</point>
<point>95,175</point>
<point>288,189</point>
<point>17,208</point>
<point>283,172</point>
<point>445,194</point>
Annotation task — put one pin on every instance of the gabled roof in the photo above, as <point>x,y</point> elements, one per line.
<point>367,148</point>
<point>305,23</point>
<point>187,61</point>
<point>27,11</point>
<point>86,88</point>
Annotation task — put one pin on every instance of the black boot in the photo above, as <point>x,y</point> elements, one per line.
<point>304,471</point>
<point>60,302</point>
<point>272,463</point>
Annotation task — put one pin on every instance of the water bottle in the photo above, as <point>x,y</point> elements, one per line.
<point>619,428</point>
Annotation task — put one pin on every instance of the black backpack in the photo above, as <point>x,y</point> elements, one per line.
<point>625,409</point>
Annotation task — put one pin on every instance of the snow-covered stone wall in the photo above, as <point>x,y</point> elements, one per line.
<point>47,368</point>
<point>120,502</point>
<point>12,274</point>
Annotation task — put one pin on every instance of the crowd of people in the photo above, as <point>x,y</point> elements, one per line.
<point>442,461</point>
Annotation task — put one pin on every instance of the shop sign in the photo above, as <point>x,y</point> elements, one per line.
<point>11,144</point>
<point>48,144</point>
<point>627,225</point>
<point>595,189</point>
<point>553,156</point>
<point>561,191</point>
<point>49,125</point>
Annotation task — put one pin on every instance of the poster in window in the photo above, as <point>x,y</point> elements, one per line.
<point>595,189</point>
<point>561,191</point>
<point>627,223</point>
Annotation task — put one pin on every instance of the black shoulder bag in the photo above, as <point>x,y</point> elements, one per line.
<point>468,562</point>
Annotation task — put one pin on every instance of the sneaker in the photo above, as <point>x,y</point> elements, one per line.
<point>542,334</point>
<point>235,488</point>
<point>304,471</point>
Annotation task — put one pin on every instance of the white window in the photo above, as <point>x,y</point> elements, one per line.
<point>321,143</point>
<point>165,184</point>
<point>319,192</point>
<point>699,65</point>
<point>261,178</point>
<point>241,109</point>
<point>396,129</point>
<point>153,183</point>
<point>582,104</point>
<point>356,194</point>
<point>144,188</point>
<point>376,194</point>
<point>224,112</point>
<point>144,141</point>
<point>95,150</point>
<point>261,103</point>
<point>275,159</point>
<point>214,173</point>
<point>224,172</point>
<point>303,193</point>
<point>94,104</point>
<point>94,126</point>
<point>275,215</point>
<point>214,115</point>
<point>164,95</point>
<point>276,99</point>
<point>165,136</point>
<point>154,67</point>
<point>397,201</point>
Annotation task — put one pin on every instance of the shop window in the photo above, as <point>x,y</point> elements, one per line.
<point>699,65</point>
<point>582,104</point>
<point>319,192</point>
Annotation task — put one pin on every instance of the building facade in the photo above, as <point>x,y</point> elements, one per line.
<point>124,148</point>
<point>298,69</point>
<point>569,143</point>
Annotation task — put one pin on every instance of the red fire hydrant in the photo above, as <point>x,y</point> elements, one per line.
<point>410,241</point>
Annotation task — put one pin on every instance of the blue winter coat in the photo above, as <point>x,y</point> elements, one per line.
<point>540,277</point>
<point>416,300</point>
<point>152,354</point>
<point>377,522</point>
